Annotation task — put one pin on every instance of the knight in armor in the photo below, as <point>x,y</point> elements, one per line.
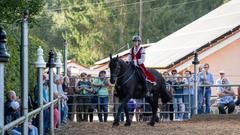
<point>137,56</point>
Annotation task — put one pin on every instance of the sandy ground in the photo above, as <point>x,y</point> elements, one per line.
<point>200,125</point>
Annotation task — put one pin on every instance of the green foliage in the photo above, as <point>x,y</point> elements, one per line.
<point>88,32</point>
<point>13,9</point>
<point>12,68</point>
<point>92,28</point>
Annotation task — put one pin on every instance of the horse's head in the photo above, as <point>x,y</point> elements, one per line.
<point>114,68</point>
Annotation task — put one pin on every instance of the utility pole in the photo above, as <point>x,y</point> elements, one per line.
<point>140,17</point>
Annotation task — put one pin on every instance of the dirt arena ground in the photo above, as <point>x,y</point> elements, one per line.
<point>200,125</point>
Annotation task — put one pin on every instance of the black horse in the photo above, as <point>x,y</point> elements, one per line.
<point>128,84</point>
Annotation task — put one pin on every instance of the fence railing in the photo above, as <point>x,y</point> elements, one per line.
<point>29,115</point>
<point>112,104</point>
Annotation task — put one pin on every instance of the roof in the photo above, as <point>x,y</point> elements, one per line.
<point>120,54</point>
<point>194,36</point>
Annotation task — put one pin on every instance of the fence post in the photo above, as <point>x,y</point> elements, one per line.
<point>40,64</point>
<point>195,63</point>
<point>4,57</point>
<point>51,64</point>
<point>65,58</point>
<point>58,66</point>
<point>24,69</point>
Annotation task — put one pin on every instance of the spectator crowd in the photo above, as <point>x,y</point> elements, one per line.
<point>81,96</point>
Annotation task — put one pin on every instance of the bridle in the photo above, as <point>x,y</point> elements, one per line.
<point>124,74</point>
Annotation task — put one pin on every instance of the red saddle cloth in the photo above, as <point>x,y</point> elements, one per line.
<point>148,75</point>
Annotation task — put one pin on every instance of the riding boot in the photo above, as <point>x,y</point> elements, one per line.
<point>146,87</point>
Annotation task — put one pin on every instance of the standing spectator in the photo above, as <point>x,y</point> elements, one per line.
<point>63,99</point>
<point>168,106</point>
<point>188,89</point>
<point>131,107</point>
<point>139,109</point>
<point>45,99</point>
<point>56,94</point>
<point>67,91</point>
<point>93,99</point>
<point>71,92</point>
<point>56,113</point>
<point>89,78</point>
<point>101,84</point>
<point>200,68</point>
<point>225,98</point>
<point>84,91</point>
<point>173,78</point>
<point>204,78</point>
<point>178,99</point>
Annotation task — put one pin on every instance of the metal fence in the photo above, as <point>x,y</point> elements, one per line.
<point>40,64</point>
<point>113,103</point>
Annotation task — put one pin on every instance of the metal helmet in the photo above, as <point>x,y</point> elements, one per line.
<point>136,38</point>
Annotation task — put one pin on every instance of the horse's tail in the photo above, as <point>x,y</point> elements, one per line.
<point>165,95</point>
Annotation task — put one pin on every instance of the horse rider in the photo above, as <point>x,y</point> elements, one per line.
<point>137,56</point>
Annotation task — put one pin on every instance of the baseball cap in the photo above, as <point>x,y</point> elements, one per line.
<point>222,71</point>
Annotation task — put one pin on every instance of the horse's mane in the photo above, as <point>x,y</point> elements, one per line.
<point>123,62</point>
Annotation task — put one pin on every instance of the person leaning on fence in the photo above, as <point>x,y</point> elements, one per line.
<point>225,98</point>
<point>83,99</point>
<point>45,99</point>
<point>189,98</point>
<point>204,78</point>
<point>63,97</point>
<point>12,112</point>
<point>178,98</point>
<point>101,85</point>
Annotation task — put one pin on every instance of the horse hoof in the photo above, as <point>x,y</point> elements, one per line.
<point>151,123</point>
<point>127,124</point>
<point>115,124</point>
<point>157,120</point>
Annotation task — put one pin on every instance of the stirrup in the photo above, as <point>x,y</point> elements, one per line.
<point>154,83</point>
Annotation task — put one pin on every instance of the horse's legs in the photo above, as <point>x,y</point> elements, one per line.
<point>154,104</point>
<point>128,121</point>
<point>120,108</point>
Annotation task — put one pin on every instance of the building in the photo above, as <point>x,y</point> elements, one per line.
<point>215,37</point>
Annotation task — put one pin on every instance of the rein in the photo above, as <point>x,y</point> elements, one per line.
<point>119,86</point>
